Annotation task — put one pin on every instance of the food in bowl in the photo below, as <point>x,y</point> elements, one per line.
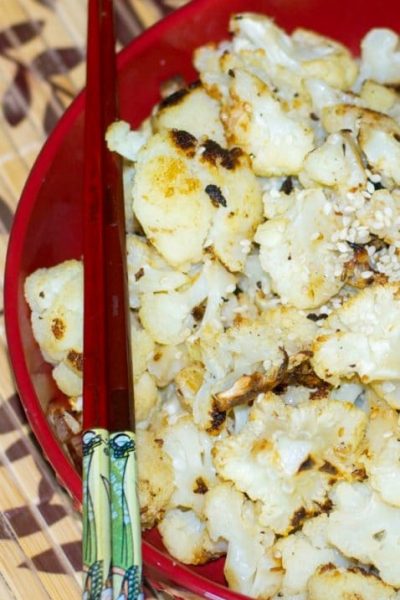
<point>264,285</point>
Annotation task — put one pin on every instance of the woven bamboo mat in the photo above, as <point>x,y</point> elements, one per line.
<point>41,71</point>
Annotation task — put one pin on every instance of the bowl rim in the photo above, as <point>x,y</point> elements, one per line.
<point>176,573</point>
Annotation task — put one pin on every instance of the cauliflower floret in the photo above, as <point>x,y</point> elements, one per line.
<point>380,450</point>
<point>377,525</point>
<point>55,296</point>
<point>240,210</point>
<point>166,363</point>
<point>323,95</point>
<point>169,198</point>
<point>296,251</point>
<point>68,378</point>
<point>186,538</point>
<point>378,135</point>
<point>206,60</point>
<point>378,97</point>
<point>148,272</point>
<point>337,163</point>
<point>188,196</point>
<point>330,583</point>
<point>193,110</point>
<point>190,452</point>
<point>250,567</point>
<point>257,122</point>
<point>382,149</point>
<point>285,456</point>
<point>384,471</point>
<point>259,347</point>
<point>170,317</point>
<point>122,139</point>
<point>380,56</point>
<point>382,422</point>
<point>262,340</point>
<point>325,59</point>
<point>363,338</point>
<point>304,54</point>
<point>156,478</point>
<point>302,552</point>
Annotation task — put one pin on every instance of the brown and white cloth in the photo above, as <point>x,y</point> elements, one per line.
<point>42,53</point>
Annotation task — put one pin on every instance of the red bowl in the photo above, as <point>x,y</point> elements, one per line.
<point>47,226</point>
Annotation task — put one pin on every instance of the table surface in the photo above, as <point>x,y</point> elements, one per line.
<point>41,70</point>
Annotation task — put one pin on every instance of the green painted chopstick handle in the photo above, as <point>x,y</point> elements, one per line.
<point>97,579</point>
<point>125,518</point>
<point>112,552</point>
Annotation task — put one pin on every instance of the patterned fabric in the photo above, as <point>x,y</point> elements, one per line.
<point>41,70</point>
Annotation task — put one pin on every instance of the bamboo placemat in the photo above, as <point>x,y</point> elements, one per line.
<point>41,71</point>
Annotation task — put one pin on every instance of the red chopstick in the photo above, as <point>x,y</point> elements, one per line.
<point>111,517</point>
<point>108,388</point>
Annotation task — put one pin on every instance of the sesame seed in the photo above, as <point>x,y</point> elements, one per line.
<point>315,235</point>
<point>370,187</point>
<point>230,289</point>
<point>375,177</point>
<point>367,274</point>
<point>342,247</point>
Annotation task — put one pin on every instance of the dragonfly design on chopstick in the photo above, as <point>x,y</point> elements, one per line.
<point>111,559</point>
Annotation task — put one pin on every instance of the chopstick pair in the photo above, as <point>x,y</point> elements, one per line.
<point>111,519</point>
